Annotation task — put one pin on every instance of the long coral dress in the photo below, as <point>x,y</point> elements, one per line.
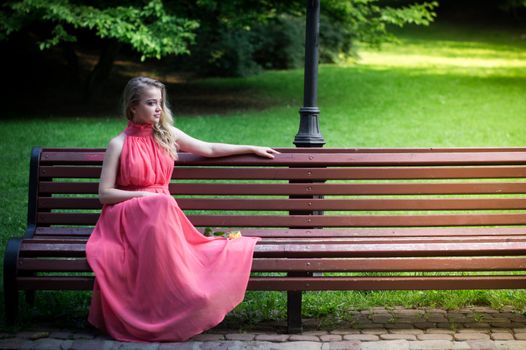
<point>156,277</point>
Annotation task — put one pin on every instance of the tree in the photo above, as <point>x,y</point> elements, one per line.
<point>224,37</point>
<point>149,29</point>
<point>240,37</point>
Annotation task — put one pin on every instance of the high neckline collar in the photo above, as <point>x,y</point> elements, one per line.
<point>136,129</point>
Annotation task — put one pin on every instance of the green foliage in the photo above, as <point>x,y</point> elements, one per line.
<point>149,29</point>
<point>236,42</point>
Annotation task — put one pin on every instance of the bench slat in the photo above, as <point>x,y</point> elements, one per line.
<point>313,221</point>
<point>326,283</point>
<point>293,250</point>
<point>325,240</point>
<point>308,189</point>
<point>319,159</point>
<point>310,173</point>
<point>307,233</point>
<point>309,204</point>
<point>321,265</point>
<point>387,283</point>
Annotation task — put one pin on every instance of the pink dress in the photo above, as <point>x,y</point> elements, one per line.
<point>157,277</point>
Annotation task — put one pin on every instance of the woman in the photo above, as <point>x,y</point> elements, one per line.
<point>157,277</point>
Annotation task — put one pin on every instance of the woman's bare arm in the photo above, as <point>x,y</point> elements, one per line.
<point>209,149</point>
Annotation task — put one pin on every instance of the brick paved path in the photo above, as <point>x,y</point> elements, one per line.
<point>374,329</point>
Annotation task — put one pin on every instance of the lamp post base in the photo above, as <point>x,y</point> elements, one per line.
<point>309,132</point>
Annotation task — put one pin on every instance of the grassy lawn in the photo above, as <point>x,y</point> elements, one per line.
<point>442,86</point>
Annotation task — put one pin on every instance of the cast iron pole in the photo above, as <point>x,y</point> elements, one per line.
<point>309,131</point>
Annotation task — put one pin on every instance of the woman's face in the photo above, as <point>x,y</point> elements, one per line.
<point>149,108</point>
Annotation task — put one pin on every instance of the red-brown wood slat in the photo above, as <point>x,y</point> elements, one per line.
<point>312,220</point>
<point>357,221</point>
<point>75,232</point>
<point>308,189</point>
<point>55,283</point>
<point>387,283</point>
<point>309,204</point>
<point>449,264</point>
<point>320,159</point>
<point>372,173</point>
<point>312,283</point>
<point>292,250</point>
<point>53,265</point>
<point>320,240</point>
<point>321,265</point>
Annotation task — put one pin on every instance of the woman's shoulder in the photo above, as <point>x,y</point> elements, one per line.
<point>116,143</point>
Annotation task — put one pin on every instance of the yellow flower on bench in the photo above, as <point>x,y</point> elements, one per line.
<point>234,235</point>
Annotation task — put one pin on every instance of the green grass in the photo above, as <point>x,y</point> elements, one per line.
<point>442,86</point>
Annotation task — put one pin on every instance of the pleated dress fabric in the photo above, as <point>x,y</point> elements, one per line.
<point>157,278</point>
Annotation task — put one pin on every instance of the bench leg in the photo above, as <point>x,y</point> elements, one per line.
<point>294,312</point>
<point>10,286</point>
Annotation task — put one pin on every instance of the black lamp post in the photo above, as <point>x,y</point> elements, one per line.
<point>309,131</point>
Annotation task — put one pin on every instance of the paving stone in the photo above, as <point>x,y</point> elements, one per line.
<point>82,336</point>
<point>82,344</point>
<point>42,344</point>
<point>383,318</point>
<point>240,336</point>
<point>460,345</point>
<point>13,343</point>
<point>316,333</point>
<point>471,336</point>
<point>342,345</point>
<point>520,336</point>
<point>272,337</point>
<point>510,345</point>
<point>431,345</point>
<point>436,336</point>
<point>440,331</point>
<point>66,344</point>
<point>61,335</point>
<point>482,345</point>
<point>397,336</point>
<point>361,337</point>
<point>375,331</point>
<point>331,338</point>
<point>136,346</point>
<point>386,345</point>
<point>424,325</point>
<point>502,336</point>
<point>208,337</point>
<point>344,331</point>
<point>295,345</point>
<point>179,346</point>
<point>406,331</point>
<point>477,325</point>
<point>395,326</point>
<point>470,330</point>
<point>303,337</point>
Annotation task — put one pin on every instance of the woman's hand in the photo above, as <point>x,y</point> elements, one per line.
<point>266,152</point>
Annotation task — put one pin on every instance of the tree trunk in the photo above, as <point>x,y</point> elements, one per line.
<point>102,69</point>
<point>69,54</point>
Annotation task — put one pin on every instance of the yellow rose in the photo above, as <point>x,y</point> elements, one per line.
<point>234,235</point>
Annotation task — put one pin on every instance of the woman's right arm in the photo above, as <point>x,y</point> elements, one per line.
<point>108,194</point>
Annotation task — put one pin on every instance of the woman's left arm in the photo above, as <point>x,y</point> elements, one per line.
<point>187,143</point>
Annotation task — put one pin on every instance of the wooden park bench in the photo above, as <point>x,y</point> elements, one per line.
<point>330,219</point>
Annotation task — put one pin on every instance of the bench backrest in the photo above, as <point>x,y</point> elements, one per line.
<point>305,189</point>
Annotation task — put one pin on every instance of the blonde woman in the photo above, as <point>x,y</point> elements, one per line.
<point>157,277</point>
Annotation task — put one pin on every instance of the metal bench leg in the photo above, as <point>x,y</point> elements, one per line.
<point>294,312</point>
<point>10,273</point>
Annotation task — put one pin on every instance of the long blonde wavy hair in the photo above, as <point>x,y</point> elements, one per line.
<point>162,131</point>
